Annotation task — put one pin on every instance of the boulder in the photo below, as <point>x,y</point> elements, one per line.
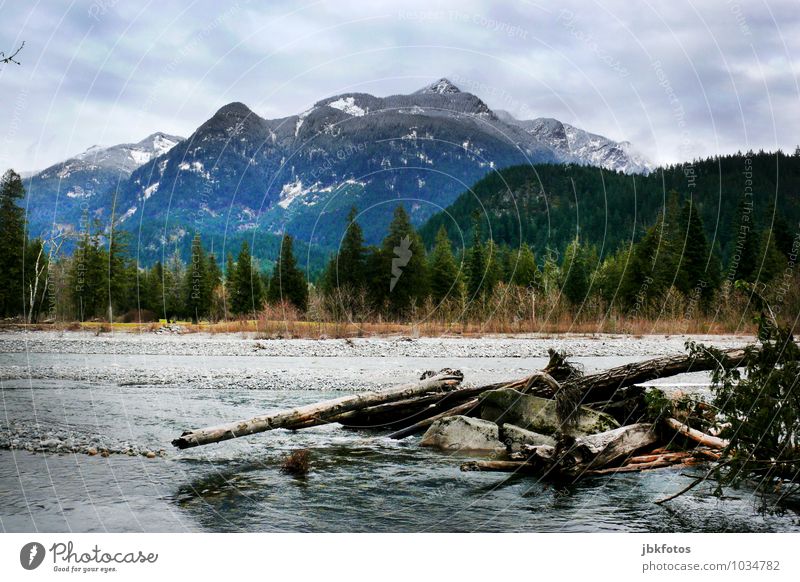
<point>515,437</point>
<point>463,433</point>
<point>507,405</point>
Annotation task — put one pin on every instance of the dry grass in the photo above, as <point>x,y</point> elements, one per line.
<point>298,463</point>
<point>264,328</point>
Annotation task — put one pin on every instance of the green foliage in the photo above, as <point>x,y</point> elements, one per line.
<point>89,275</point>
<point>402,279</point>
<point>762,410</point>
<point>476,265</point>
<point>288,282</point>
<point>576,270</point>
<point>12,245</point>
<point>445,277</point>
<point>246,293</point>
<point>198,285</point>
<point>522,269</point>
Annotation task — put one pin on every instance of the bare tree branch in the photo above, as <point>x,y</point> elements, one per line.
<point>10,59</point>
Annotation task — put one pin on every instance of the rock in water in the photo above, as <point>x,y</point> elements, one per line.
<point>463,433</point>
<point>515,437</point>
<point>539,414</point>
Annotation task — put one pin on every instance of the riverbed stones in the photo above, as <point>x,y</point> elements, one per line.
<point>539,414</point>
<point>464,434</point>
<point>515,438</point>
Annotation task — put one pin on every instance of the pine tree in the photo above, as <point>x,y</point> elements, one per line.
<point>476,265</point>
<point>12,245</point>
<point>288,282</point>
<point>638,285</point>
<point>522,268</point>
<point>89,275</point>
<point>213,276</point>
<point>248,295</point>
<point>496,259</point>
<point>404,273</point>
<point>576,272</point>
<point>699,266</point>
<point>230,283</point>
<point>350,261</point>
<point>772,262</point>
<point>745,240</point>
<point>197,286</point>
<point>174,277</point>
<point>153,293</point>
<point>119,281</point>
<point>444,273</point>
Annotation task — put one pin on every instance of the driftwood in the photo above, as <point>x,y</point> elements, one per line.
<point>415,406</point>
<point>503,466</point>
<point>577,455</point>
<point>603,385</point>
<point>697,436</point>
<point>635,468</point>
<point>314,414</point>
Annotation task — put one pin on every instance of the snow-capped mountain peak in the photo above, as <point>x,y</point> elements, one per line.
<point>441,87</point>
<point>580,146</point>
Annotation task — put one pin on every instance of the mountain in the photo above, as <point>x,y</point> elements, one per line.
<point>58,195</point>
<point>581,146</point>
<point>240,176</point>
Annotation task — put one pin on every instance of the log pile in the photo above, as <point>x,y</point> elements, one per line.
<point>597,421</point>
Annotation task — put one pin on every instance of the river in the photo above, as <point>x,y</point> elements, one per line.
<point>141,394</point>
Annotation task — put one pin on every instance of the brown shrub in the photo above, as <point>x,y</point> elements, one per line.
<point>297,463</point>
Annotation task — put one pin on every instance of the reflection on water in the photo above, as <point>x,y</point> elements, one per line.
<point>358,481</point>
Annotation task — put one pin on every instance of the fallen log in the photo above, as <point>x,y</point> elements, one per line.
<point>577,455</point>
<point>603,385</point>
<point>697,436</point>
<point>635,468</point>
<point>313,414</point>
<point>410,411</point>
<point>420,426</point>
<point>502,466</point>
<point>660,457</point>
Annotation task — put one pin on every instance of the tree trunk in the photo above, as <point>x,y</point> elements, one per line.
<point>697,436</point>
<point>603,385</point>
<point>313,414</point>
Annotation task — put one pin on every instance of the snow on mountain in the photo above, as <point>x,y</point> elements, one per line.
<point>347,104</point>
<point>582,147</point>
<point>441,87</point>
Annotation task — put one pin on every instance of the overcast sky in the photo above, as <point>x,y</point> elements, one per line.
<point>677,79</point>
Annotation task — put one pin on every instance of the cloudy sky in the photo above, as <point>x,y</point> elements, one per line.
<point>677,79</point>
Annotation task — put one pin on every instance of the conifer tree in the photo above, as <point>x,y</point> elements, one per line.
<point>444,273</point>
<point>12,244</point>
<point>288,282</point>
<point>576,272</point>
<point>404,272</point>
<point>248,295</point>
<point>89,275</point>
<point>197,286</point>
<point>119,281</point>
<point>522,268</point>
<point>476,264</point>
<point>699,266</point>
<point>350,260</point>
<point>745,240</point>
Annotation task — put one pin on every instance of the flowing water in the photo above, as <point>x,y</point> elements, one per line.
<point>359,481</point>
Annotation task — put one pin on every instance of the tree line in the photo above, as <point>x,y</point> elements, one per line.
<point>672,263</point>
